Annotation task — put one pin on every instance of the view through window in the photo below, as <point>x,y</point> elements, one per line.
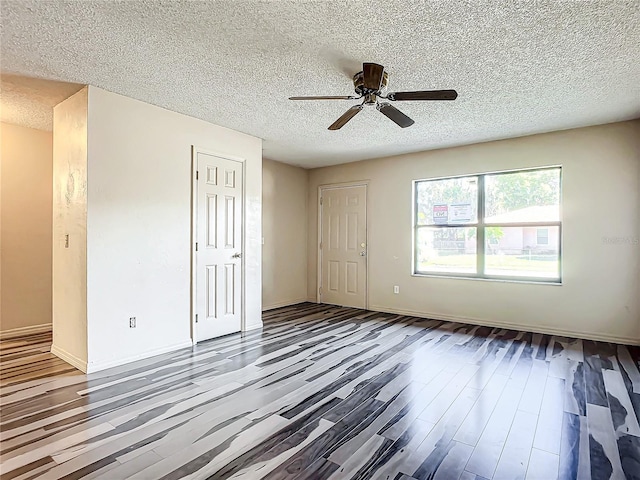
<point>498,225</point>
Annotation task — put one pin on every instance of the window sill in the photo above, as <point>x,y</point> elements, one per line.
<point>485,279</point>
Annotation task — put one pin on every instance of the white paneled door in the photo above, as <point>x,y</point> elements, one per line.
<point>218,264</point>
<point>343,246</point>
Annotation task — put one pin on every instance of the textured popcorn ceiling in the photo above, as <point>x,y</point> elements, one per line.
<point>520,67</point>
<point>29,101</point>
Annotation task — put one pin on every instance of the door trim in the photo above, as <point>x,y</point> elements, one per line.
<point>333,186</point>
<point>194,222</point>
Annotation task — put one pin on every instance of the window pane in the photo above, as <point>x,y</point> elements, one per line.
<point>519,252</point>
<point>542,236</point>
<point>446,250</point>
<point>529,196</point>
<point>453,201</point>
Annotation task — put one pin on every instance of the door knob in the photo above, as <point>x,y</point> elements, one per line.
<point>236,255</point>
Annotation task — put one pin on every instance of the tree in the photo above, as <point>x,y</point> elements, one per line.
<point>514,191</point>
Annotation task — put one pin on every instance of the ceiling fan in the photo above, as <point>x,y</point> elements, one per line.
<point>371,84</point>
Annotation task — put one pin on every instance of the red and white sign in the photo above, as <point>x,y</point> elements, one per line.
<point>440,213</point>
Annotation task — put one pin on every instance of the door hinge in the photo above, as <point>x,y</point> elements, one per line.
<point>320,200</point>
<point>320,290</point>
<point>197,175</point>
<point>320,245</point>
<point>196,318</point>
<point>196,246</point>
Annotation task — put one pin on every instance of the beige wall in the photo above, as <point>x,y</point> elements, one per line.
<point>26,228</point>
<point>284,229</point>
<point>139,225</point>
<point>70,218</point>
<point>601,198</point>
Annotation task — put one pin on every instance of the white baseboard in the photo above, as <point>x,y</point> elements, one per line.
<point>511,326</point>
<point>93,367</point>
<point>30,330</point>
<point>285,303</point>
<point>69,358</point>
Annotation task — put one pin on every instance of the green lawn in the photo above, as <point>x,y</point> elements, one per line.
<point>507,264</point>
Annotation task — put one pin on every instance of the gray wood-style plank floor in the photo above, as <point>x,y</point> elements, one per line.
<point>329,392</point>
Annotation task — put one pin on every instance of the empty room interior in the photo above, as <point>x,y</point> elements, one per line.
<point>320,239</point>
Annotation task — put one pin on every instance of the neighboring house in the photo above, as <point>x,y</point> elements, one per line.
<point>518,240</point>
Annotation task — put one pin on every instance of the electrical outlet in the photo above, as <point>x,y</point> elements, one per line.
<point>132,322</point>
<point>396,289</point>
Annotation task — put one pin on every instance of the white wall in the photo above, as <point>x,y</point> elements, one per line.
<point>70,217</point>
<point>599,297</point>
<point>139,225</point>
<point>284,228</point>
<point>26,164</point>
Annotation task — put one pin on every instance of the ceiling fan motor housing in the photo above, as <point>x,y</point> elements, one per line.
<point>358,84</point>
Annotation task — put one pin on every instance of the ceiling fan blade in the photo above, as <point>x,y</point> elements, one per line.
<point>326,97</point>
<point>424,95</point>
<point>373,74</point>
<point>395,115</point>
<point>346,116</point>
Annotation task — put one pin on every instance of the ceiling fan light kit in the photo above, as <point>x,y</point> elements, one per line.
<point>371,85</point>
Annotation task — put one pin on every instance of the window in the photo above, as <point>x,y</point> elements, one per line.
<point>498,225</point>
<point>542,236</point>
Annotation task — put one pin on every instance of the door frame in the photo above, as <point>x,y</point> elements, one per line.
<point>333,186</point>
<point>195,150</point>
